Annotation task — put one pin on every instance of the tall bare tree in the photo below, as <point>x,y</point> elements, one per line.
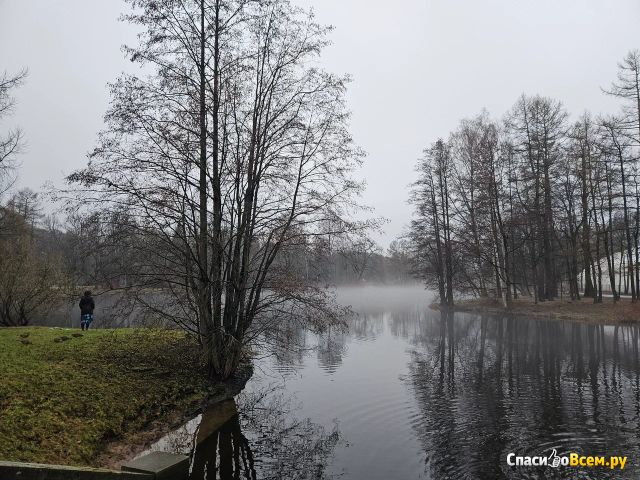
<point>431,229</point>
<point>232,151</point>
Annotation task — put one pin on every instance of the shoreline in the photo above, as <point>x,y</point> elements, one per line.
<point>118,451</point>
<point>622,312</point>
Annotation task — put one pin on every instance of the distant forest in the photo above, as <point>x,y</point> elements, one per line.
<point>38,251</point>
<point>535,204</point>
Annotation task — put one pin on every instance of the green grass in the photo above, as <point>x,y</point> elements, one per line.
<point>62,400</point>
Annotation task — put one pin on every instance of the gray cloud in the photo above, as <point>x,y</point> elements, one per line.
<point>419,66</point>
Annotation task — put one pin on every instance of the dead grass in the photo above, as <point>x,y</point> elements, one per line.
<point>609,312</point>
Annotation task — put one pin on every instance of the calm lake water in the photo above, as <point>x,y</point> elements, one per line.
<point>411,393</point>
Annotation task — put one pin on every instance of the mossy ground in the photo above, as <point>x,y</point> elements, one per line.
<point>62,397</point>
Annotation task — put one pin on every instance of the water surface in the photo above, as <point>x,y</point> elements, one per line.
<point>411,393</point>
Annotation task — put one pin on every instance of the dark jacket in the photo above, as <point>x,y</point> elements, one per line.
<point>87,305</point>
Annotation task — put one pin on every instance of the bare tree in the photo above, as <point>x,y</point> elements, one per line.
<point>616,149</point>
<point>11,141</point>
<point>232,151</point>
<point>359,255</point>
<point>431,227</point>
<point>582,149</point>
<point>32,279</point>
<point>538,128</point>
<point>627,88</point>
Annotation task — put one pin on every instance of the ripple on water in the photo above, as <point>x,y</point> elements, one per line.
<point>407,408</point>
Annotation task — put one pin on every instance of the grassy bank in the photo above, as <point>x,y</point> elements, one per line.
<point>65,394</point>
<point>609,312</point>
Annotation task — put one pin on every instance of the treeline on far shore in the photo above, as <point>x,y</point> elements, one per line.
<point>535,204</point>
<point>46,260</point>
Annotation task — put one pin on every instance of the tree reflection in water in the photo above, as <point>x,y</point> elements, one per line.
<point>480,387</point>
<point>486,387</point>
<point>222,451</point>
<point>265,441</point>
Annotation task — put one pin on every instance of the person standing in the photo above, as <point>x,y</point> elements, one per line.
<point>86,310</point>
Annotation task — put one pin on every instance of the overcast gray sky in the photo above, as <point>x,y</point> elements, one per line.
<point>419,66</point>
